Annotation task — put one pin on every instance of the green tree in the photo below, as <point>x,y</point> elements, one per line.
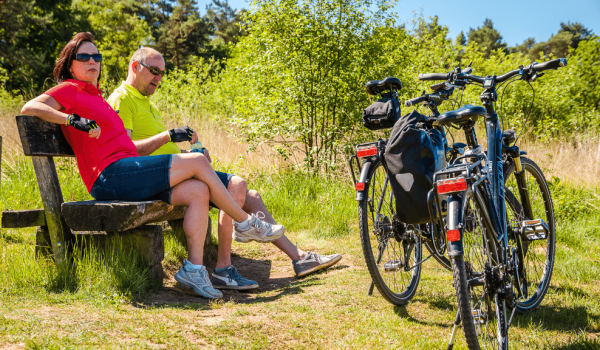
<point>431,28</point>
<point>569,35</point>
<point>487,37</point>
<point>525,47</point>
<point>32,33</point>
<point>296,80</point>
<point>225,21</point>
<point>184,34</point>
<point>119,31</point>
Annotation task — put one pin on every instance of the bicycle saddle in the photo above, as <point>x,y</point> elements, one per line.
<point>462,115</point>
<point>375,87</point>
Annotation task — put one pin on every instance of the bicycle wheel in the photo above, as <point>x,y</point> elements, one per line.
<point>535,256</point>
<point>392,253</point>
<point>477,279</point>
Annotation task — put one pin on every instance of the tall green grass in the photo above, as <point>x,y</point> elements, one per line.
<point>322,206</point>
<point>111,274</point>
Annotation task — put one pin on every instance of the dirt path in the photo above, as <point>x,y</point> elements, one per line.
<point>272,271</point>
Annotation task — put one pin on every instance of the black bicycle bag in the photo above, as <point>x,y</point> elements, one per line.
<point>414,152</point>
<point>382,114</point>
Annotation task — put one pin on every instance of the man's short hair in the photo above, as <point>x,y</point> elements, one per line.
<point>140,55</point>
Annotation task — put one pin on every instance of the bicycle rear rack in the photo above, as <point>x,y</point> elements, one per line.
<point>434,201</point>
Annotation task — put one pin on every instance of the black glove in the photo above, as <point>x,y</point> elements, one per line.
<point>181,134</point>
<point>82,124</point>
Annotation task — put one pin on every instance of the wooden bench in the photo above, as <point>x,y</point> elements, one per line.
<point>59,222</point>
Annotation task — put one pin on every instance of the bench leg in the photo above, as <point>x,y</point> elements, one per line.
<point>210,250</point>
<point>43,245</point>
<point>148,241</point>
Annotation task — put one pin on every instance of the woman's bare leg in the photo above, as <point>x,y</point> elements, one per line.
<point>195,165</point>
<point>195,194</point>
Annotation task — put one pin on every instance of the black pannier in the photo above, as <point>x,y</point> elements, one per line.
<point>382,114</point>
<point>414,152</point>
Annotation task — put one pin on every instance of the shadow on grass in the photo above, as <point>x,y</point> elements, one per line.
<point>564,318</point>
<point>558,319</point>
<point>581,344</point>
<point>402,312</point>
<point>174,295</point>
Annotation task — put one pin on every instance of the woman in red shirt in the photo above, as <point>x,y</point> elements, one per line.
<point>112,170</point>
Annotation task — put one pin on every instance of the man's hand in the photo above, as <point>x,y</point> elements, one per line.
<point>86,125</point>
<point>194,137</point>
<point>184,133</point>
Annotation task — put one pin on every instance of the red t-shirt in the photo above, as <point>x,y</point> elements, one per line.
<point>93,155</point>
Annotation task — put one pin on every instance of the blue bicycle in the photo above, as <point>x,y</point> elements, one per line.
<point>496,210</point>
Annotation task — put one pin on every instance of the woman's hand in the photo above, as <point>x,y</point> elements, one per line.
<point>86,125</point>
<point>47,108</point>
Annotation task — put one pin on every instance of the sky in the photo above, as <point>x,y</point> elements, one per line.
<point>516,20</point>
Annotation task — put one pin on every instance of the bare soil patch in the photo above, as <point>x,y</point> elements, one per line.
<point>273,274</point>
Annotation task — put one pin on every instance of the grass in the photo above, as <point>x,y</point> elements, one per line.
<point>107,299</point>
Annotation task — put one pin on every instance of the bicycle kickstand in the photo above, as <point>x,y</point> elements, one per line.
<point>453,336</point>
<point>371,288</point>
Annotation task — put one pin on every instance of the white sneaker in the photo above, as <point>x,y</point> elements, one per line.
<point>259,231</point>
<point>197,279</point>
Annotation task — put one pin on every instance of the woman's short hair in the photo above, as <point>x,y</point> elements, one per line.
<point>62,68</point>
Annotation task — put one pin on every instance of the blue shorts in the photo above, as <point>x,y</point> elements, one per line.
<point>138,179</point>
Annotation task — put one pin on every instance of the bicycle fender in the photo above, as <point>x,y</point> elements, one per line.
<point>455,222</point>
<point>364,175</point>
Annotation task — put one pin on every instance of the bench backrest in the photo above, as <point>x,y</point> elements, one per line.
<point>40,138</point>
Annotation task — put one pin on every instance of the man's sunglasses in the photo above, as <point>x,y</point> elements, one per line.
<point>84,57</point>
<point>153,70</point>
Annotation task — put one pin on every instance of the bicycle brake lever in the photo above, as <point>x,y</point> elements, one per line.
<point>537,75</point>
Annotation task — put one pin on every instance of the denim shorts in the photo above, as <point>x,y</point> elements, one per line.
<point>138,179</point>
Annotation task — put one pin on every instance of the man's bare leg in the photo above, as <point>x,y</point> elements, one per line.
<point>254,204</point>
<point>237,188</point>
<point>304,263</point>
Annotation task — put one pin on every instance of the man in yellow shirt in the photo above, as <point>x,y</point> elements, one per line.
<point>145,127</point>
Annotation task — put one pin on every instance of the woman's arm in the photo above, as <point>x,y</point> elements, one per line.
<point>47,108</point>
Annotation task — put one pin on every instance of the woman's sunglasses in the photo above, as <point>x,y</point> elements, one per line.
<point>153,70</point>
<point>84,57</point>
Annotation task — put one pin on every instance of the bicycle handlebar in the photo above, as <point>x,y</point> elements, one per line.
<point>416,100</point>
<point>553,64</point>
<point>433,76</point>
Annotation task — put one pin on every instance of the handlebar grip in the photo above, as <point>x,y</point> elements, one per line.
<point>433,76</point>
<point>554,64</point>
<point>414,101</point>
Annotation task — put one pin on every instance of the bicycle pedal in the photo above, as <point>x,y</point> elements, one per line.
<point>393,265</point>
<point>479,316</point>
<point>534,230</point>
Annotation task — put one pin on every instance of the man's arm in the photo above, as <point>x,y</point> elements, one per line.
<point>151,144</point>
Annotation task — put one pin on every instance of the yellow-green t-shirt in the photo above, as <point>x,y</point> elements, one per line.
<point>140,116</point>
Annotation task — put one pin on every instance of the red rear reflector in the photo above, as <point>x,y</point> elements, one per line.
<point>451,185</point>
<point>366,151</point>
<point>360,186</point>
<point>453,235</point>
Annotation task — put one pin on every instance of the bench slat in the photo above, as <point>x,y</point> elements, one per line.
<point>23,218</point>
<point>117,216</point>
<point>40,138</point>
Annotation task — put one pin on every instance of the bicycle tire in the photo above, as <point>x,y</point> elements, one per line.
<point>539,255</point>
<point>483,314</point>
<point>395,278</point>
